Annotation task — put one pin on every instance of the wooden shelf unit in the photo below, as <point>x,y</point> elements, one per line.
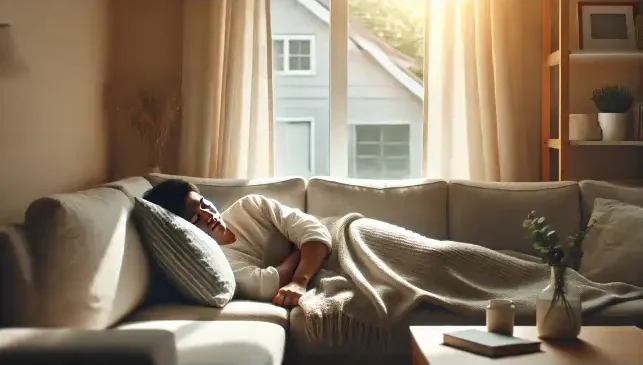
<point>562,159</point>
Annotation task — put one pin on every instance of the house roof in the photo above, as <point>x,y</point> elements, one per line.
<point>394,62</point>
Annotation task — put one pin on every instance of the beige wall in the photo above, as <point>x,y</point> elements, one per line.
<point>52,125</point>
<point>145,52</point>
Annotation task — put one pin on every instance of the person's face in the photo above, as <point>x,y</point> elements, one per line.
<point>203,214</point>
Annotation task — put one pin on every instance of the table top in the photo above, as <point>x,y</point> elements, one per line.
<point>596,345</point>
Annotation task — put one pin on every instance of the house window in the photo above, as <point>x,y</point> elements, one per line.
<point>294,146</point>
<point>380,151</point>
<point>294,55</point>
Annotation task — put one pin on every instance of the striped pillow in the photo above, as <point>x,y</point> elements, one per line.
<point>189,257</point>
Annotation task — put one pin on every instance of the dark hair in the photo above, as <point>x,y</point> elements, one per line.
<point>171,194</point>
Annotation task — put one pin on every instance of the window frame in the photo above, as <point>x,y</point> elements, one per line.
<point>353,146</point>
<point>286,38</point>
<point>311,122</point>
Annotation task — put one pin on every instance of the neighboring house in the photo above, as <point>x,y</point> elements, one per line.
<point>384,105</point>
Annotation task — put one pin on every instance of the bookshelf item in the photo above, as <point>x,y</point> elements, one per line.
<point>564,158</point>
<point>607,25</point>
<point>490,344</point>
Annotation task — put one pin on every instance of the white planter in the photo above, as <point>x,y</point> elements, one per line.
<point>613,126</point>
<point>560,321</point>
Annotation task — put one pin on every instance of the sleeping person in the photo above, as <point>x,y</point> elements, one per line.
<point>273,249</point>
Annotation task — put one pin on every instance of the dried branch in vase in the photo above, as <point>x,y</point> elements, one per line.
<point>153,115</point>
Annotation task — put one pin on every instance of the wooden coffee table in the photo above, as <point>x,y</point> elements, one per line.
<point>596,345</point>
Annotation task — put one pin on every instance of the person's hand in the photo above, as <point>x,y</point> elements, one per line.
<point>289,294</point>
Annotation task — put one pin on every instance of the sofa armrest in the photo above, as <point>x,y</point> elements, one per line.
<point>18,294</point>
<point>22,346</point>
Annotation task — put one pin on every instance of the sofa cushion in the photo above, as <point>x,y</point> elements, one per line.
<point>222,342</point>
<point>491,214</point>
<point>191,259</point>
<point>417,205</point>
<point>590,190</point>
<point>224,192</point>
<point>90,266</point>
<point>28,346</point>
<point>613,246</point>
<point>133,187</point>
<point>236,310</point>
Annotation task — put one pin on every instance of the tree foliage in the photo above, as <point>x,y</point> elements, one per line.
<point>399,23</point>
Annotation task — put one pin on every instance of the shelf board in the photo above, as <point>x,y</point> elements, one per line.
<point>616,55</point>
<point>606,143</point>
<point>555,143</point>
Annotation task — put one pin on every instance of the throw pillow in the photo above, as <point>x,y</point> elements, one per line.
<point>191,259</point>
<point>613,247</point>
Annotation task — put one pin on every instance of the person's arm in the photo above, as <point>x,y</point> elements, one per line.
<point>287,268</point>
<point>306,232</point>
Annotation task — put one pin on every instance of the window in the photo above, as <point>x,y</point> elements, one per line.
<point>363,87</point>
<point>294,54</point>
<point>380,151</point>
<point>295,147</point>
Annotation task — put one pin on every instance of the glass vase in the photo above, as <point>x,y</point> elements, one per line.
<point>558,309</point>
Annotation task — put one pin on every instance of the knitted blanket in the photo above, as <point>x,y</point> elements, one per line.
<point>379,272</point>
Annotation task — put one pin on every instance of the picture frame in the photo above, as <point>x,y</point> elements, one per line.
<point>607,25</point>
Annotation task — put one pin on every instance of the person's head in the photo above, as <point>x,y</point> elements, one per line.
<point>184,199</point>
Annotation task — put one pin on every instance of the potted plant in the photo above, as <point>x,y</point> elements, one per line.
<point>153,114</point>
<point>558,307</point>
<point>613,103</point>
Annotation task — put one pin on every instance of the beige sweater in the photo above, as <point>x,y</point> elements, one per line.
<point>266,231</point>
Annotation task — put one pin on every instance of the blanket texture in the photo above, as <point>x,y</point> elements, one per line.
<point>379,272</point>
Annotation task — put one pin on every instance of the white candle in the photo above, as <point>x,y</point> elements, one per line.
<point>500,316</point>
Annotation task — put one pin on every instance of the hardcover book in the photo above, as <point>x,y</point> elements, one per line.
<point>490,344</point>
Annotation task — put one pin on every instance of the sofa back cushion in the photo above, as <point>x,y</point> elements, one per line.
<point>590,190</point>
<point>90,265</point>
<point>224,192</point>
<point>418,205</point>
<point>491,214</point>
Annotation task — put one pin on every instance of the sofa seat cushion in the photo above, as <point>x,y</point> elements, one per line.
<point>490,214</point>
<point>417,205</point>
<point>222,342</point>
<point>27,346</point>
<point>623,314</point>
<point>236,310</point>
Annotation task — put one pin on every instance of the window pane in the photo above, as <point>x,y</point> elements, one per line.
<point>305,63</point>
<point>368,149</point>
<point>396,150</point>
<point>294,47</point>
<point>295,63</point>
<point>299,97</point>
<point>279,63</point>
<point>396,133</point>
<point>386,83</point>
<point>368,168</point>
<point>368,133</point>
<point>304,48</point>
<point>278,47</point>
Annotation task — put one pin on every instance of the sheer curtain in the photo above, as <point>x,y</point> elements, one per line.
<point>227,89</point>
<point>482,98</point>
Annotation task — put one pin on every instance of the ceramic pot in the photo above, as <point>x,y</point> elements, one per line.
<point>557,318</point>
<point>613,126</point>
